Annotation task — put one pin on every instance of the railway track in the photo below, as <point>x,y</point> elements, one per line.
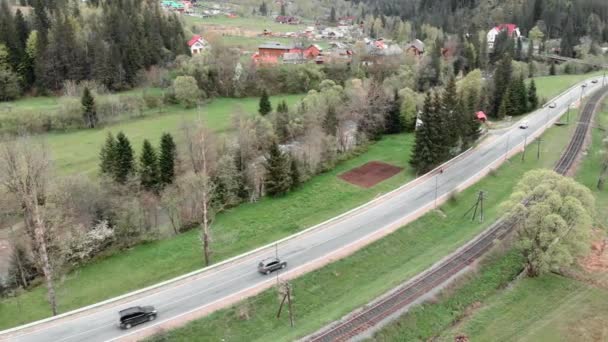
<point>413,290</point>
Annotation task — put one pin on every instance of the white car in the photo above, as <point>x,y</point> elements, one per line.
<point>553,105</point>
<point>523,124</point>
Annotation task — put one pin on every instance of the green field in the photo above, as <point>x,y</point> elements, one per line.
<point>234,232</point>
<point>254,24</point>
<point>78,151</point>
<point>329,293</point>
<point>548,308</point>
<point>550,86</point>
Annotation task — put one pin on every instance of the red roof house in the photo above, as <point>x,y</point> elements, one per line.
<point>481,116</point>
<point>197,44</point>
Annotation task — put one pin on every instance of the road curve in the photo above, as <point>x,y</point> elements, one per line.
<point>363,322</point>
<point>218,286</point>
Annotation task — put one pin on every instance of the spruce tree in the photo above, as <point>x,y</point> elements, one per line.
<point>394,122</point>
<point>522,96</point>
<point>532,97</point>
<point>166,160</point>
<point>124,159</point>
<point>294,173</point>
<point>265,105</point>
<point>263,9</point>
<point>436,62</point>
<point>423,158</point>
<point>449,104</point>
<point>502,79</point>
<point>283,12</point>
<point>332,15</point>
<point>89,112</point>
<point>148,167</point>
<point>108,155</point>
<point>552,69</point>
<point>278,179</point>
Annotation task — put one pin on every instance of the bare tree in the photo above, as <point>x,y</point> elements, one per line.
<point>24,168</point>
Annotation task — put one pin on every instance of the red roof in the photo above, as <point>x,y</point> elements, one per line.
<point>481,116</point>
<point>194,39</point>
<point>510,28</point>
<point>264,59</point>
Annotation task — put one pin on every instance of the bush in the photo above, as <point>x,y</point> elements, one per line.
<point>186,91</point>
<point>88,245</point>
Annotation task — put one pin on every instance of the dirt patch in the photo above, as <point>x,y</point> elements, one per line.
<point>370,174</point>
<point>597,260</point>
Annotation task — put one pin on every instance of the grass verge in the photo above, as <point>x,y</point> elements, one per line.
<point>234,232</point>
<point>550,86</point>
<point>331,292</point>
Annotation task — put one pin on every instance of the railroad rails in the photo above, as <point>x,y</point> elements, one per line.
<point>415,289</point>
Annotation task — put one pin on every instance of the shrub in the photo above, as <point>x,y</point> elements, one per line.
<point>88,245</point>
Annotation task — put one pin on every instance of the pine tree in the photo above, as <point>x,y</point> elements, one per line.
<point>440,125</point>
<point>148,167</point>
<point>568,40</point>
<point>423,158</point>
<point>124,159</point>
<point>332,15</point>
<point>394,120</point>
<point>502,79</point>
<point>532,97</point>
<point>283,12</point>
<point>294,173</point>
<point>552,69</point>
<point>166,161</point>
<point>521,95</point>
<point>436,62</point>
<point>330,122</point>
<point>89,112</point>
<point>108,156</point>
<point>449,104</point>
<point>265,105</point>
<point>263,9</point>
<point>278,179</point>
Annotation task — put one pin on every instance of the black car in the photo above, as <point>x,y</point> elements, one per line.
<point>136,315</point>
<point>271,264</point>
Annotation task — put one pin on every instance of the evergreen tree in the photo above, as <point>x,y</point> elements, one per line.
<point>436,62</point>
<point>532,97</point>
<point>124,166</point>
<point>552,69</point>
<point>332,15</point>
<point>519,52</point>
<point>166,161</point>
<point>89,112</point>
<point>483,53</point>
<point>449,114</point>
<point>108,156</point>
<point>522,96</point>
<point>394,120</point>
<point>294,173</point>
<point>265,105</point>
<point>278,179</point>
<point>502,79</point>
<point>283,12</point>
<point>263,9</point>
<point>423,158</point>
<point>568,40</point>
<point>282,107</point>
<point>148,167</point>
<point>440,123</point>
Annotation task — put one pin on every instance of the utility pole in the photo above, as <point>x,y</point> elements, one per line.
<point>538,141</point>
<point>523,154</point>
<point>286,296</point>
<point>478,206</point>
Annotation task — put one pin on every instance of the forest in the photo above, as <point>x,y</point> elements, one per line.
<point>111,42</point>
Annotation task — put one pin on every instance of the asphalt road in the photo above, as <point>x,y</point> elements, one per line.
<point>216,284</point>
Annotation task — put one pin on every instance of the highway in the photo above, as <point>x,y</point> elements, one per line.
<point>239,276</point>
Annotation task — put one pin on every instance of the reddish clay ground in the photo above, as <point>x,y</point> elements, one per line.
<point>370,174</point>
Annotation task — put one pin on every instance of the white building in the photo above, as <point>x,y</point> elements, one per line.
<point>197,44</point>
<point>511,29</point>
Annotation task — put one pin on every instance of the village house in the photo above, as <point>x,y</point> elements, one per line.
<point>289,53</point>
<point>415,48</point>
<point>511,29</point>
<point>287,19</point>
<point>197,44</point>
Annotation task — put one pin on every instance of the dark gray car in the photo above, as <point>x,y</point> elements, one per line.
<point>136,315</point>
<point>271,264</point>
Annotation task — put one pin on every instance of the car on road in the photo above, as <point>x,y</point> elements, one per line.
<point>136,315</point>
<point>553,105</point>
<point>271,264</point>
<point>594,81</point>
<point>523,124</point>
